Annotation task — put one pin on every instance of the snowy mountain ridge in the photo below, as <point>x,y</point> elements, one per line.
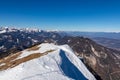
<point>13,29</point>
<point>44,62</point>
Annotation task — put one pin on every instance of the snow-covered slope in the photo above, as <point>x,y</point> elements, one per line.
<point>3,31</point>
<point>52,62</point>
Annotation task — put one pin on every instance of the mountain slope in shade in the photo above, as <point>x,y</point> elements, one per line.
<point>103,62</point>
<point>44,62</point>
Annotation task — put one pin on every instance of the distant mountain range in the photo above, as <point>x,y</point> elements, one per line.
<point>112,35</point>
<point>19,39</point>
<point>103,62</point>
<point>108,39</point>
<point>108,42</point>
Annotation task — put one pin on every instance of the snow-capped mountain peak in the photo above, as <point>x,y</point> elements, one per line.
<point>44,62</point>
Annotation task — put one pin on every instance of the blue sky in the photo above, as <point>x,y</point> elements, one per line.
<point>70,15</point>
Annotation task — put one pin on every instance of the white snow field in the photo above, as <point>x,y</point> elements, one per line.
<point>60,64</point>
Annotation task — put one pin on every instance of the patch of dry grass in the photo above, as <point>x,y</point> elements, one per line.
<point>11,60</point>
<point>33,48</point>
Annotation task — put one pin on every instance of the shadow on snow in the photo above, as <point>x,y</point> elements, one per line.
<point>69,69</point>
